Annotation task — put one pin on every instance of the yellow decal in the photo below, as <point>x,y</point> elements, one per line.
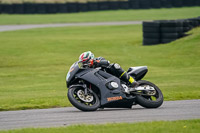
<point>114,98</point>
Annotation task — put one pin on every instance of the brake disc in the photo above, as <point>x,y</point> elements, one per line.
<point>86,98</point>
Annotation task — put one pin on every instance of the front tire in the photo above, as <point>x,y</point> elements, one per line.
<point>150,101</point>
<point>78,102</point>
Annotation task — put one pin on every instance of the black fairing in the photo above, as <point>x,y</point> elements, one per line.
<point>71,74</point>
<point>100,79</point>
<point>137,72</point>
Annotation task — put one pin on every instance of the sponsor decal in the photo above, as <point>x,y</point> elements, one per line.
<point>114,98</point>
<point>72,69</point>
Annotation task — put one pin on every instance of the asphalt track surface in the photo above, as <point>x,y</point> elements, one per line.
<point>31,26</point>
<point>170,110</point>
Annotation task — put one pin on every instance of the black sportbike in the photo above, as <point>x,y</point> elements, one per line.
<point>93,88</point>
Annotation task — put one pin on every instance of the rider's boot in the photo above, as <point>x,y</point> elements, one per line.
<point>130,80</point>
<point>133,82</point>
<point>123,75</point>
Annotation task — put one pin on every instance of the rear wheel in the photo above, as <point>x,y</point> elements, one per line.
<point>77,97</point>
<point>150,101</point>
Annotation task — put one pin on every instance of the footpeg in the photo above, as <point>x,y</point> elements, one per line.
<point>126,89</point>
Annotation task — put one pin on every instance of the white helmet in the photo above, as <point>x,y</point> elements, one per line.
<point>86,56</point>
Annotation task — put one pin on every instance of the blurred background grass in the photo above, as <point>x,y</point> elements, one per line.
<point>34,63</point>
<point>102,16</point>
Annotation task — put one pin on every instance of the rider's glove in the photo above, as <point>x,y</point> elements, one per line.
<point>91,62</point>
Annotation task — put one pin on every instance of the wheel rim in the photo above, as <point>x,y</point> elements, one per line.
<point>153,97</point>
<point>88,100</point>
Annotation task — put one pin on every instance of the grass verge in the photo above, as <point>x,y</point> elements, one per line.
<point>183,126</point>
<point>117,15</point>
<point>34,63</point>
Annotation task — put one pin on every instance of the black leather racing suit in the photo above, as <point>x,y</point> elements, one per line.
<point>113,69</point>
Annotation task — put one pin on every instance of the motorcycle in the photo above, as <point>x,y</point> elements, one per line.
<point>93,88</point>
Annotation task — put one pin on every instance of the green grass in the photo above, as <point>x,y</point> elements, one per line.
<point>183,126</point>
<point>34,63</point>
<point>117,15</point>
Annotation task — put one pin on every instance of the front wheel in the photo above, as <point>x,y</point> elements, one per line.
<point>77,97</point>
<point>153,101</point>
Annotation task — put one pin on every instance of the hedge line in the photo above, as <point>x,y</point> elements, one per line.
<point>40,8</point>
<point>165,31</point>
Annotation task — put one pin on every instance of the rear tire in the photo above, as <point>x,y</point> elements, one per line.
<point>146,101</point>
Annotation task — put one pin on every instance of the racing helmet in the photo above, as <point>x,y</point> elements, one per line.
<point>86,56</point>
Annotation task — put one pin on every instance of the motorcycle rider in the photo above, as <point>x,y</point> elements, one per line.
<point>88,59</point>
